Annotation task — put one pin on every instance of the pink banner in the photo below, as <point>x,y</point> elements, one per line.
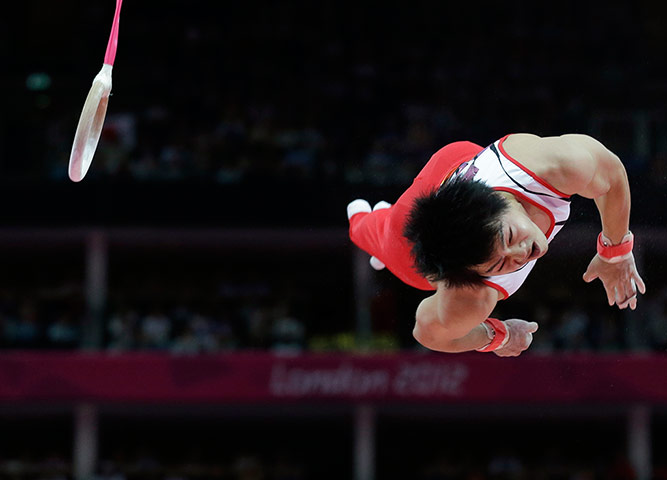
<point>399,378</point>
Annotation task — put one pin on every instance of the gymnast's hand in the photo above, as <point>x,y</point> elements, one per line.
<point>520,337</point>
<point>621,280</point>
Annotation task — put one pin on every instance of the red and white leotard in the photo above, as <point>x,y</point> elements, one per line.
<point>380,233</point>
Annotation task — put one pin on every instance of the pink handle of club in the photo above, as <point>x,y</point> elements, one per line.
<point>110,56</point>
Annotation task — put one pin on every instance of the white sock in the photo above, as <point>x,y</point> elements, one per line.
<point>376,263</point>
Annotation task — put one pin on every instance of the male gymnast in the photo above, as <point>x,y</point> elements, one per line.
<point>474,222</point>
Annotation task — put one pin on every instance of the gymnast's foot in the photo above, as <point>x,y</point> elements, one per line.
<point>357,206</point>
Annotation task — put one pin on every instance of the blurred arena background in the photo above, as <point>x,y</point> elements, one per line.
<point>194,310</point>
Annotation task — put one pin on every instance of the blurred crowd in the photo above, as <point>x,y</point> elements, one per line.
<point>505,464</point>
<point>148,466</point>
<point>257,319</point>
<point>333,96</point>
<point>239,323</point>
<point>183,331</point>
<point>499,463</point>
<point>351,100</point>
<point>255,95</point>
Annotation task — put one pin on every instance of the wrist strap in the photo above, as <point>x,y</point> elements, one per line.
<point>497,332</point>
<point>615,253</point>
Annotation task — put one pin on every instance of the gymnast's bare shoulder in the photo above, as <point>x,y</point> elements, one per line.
<point>571,163</point>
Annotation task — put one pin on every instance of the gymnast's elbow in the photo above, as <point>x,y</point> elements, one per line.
<point>430,331</point>
<point>422,334</point>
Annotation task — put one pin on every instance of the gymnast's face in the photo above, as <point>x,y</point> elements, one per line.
<point>519,241</point>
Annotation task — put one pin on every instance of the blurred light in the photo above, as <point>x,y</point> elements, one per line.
<point>38,81</point>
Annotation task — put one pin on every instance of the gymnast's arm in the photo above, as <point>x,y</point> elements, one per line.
<point>450,320</point>
<point>579,164</point>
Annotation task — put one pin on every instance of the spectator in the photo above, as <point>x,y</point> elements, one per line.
<point>287,332</point>
<point>63,333</point>
<point>155,330</point>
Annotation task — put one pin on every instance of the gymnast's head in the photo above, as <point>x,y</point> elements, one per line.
<point>465,231</point>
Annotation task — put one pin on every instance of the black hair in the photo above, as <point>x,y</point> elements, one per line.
<point>454,228</point>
